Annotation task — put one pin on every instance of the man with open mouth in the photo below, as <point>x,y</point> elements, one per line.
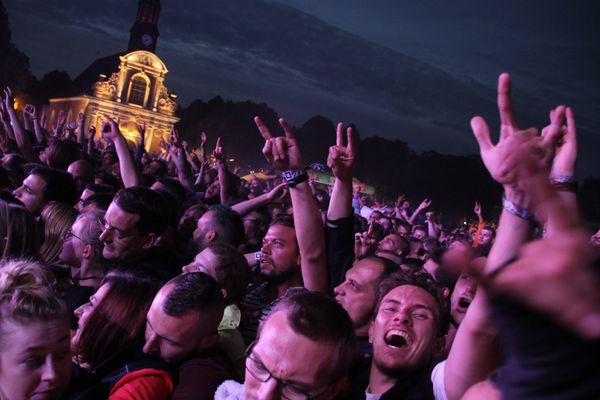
<point>407,333</point>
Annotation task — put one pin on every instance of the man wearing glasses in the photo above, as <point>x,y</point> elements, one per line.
<point>132,227</point>
<point>303,351</point>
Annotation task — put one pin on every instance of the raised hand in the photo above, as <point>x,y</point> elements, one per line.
<point>341,158</point>
<point>494,156</point>
<point>282,152</point>
<point>477,209</point>
<point>110,129</point>
<point>565,156</point>
<point>142,131</point>
<point>30,111</point>
<point>203,137</point>
<point>219,153</point>
<point>278,193</point>
<point>424,204</point>
<point>9,99</point>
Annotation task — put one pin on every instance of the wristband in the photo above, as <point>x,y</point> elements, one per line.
<point>295,177</point>
<point>564,183</point>
<point>516,210</point>
<point>257,257</point>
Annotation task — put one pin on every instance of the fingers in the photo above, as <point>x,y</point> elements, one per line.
<point>481,131</point>
<point>279,149</point>
<point>339,139</point>
<point>268,151</point>
<point>351,140</point>
<point>571,135</point>
<point>264,131</point>
<point>218,145</point>
<point>505,108</point>
<point>286,128</point>
<point>551,134</point>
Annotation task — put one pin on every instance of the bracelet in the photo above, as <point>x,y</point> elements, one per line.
<point>516,210</point>
<point>257,257</point>
<point>563,179</point>
<point>294,178</point>
<point>564,183</point>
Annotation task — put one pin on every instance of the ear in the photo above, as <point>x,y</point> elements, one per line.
<point>210,236</point>
<point>371,324</point>
<point>224,291</point>
<point>88,252</point>
<point>151,240</point>
<point>446,292</point>
<point>208,341</point>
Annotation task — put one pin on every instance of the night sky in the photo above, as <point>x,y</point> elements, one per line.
<point>415,71</point>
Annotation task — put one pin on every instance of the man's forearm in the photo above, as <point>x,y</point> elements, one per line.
<point>311,238</point>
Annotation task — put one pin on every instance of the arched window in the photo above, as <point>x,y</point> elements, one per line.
<point>137,90</point>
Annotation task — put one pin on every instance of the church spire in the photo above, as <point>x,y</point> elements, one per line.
<point>144,32</point>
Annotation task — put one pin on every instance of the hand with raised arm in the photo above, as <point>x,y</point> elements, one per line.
<point>341,160</point>
<point>283,153</point>
<point>21,137</point>
<point>424,205</point>
<point>110,131</point>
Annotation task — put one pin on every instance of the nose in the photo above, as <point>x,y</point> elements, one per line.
<point>339,290</point>
<point>104,235</point>
<point>403,316</point>
<point>268,390</point>
<point>17,192</point>
<point>49,372</point>
<point>186,269</point>
<point>266,247</point>
<point>80,310</point>
<point>150,347</point>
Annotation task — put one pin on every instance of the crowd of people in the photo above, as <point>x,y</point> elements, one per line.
<point>130,275</point>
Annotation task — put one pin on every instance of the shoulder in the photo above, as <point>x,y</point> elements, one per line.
<point>147,383</point>
<point>230,390</point>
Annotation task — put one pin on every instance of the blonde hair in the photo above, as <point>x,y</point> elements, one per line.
<point>17,231</point>
<point>57,218</point>
<point>26,294</point>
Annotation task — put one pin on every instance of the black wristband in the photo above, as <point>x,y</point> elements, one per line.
<point>294,178</point>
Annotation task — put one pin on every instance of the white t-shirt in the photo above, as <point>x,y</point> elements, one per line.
<point>437,379</point>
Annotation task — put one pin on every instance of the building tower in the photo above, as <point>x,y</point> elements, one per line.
<point>144,32</point>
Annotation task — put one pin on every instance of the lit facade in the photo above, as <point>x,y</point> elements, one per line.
<point>128,87</point>
<point>134,95</point>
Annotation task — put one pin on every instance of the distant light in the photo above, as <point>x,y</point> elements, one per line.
<point>231,160</point>
<point>102,75</point>
<point>173,95</point>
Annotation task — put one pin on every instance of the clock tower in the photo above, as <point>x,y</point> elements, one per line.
<point>144,32</point>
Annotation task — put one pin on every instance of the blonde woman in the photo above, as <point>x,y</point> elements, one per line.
<point>35,355</point>
<point>57,219</point>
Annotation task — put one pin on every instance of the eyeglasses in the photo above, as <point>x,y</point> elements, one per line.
<point>67,235</point>
<point>106,227</point>
<point>286,389</point>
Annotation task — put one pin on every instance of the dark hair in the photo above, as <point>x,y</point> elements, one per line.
<point>117,322</point>
<point>108,179</point>
<point>321,319</point>
<point>101,188</point>
<point>198,292</point>
<point>163,168</point>
<point>423,281</point>
<point>174,187</point>
<point>59,185</point>
<point>60,153</point>
<point>285,220</point>
<point>18,229</point>
<point>491,229</point>
<point>227,223</point>
<point>100,200</point>
<point>233,271</point>
<point>147,204</point>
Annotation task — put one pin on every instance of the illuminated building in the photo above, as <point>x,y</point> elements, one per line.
<point>127,86</point>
